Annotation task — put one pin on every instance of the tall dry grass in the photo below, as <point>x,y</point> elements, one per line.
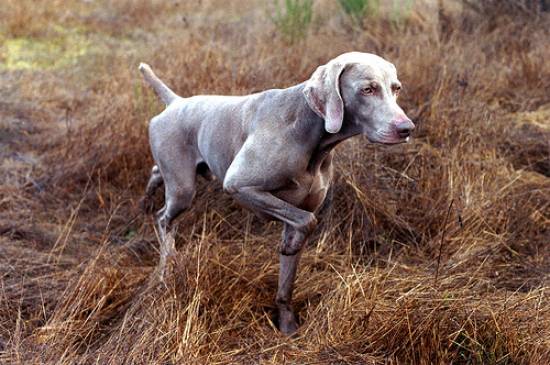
<point>433,252</point>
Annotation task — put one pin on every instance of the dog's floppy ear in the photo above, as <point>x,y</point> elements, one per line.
<point>322,92</point>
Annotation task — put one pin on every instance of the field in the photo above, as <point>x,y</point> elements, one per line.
<point>433,252</point>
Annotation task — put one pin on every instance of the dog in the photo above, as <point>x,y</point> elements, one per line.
<point>272,150</point>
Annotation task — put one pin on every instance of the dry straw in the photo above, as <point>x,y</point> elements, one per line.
<point>433,252</point>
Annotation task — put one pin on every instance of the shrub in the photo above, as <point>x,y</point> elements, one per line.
<point>293,17</point>
<point>357,9</point>
<point>512,7</point>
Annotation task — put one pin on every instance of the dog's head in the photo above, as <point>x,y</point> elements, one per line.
<point>364,88</point>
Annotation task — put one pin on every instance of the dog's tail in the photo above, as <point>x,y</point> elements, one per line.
<point>163,91</point>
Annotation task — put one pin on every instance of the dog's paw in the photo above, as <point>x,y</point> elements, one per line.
<point>288,324</point>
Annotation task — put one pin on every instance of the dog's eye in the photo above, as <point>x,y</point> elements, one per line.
<point>396,89</point>
<point>369,90</point>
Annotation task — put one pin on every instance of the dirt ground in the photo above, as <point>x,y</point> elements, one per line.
<point>434,252</point>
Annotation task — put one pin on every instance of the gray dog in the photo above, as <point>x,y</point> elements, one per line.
<point>272,150</point>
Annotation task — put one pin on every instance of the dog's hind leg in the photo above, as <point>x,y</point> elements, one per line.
<point>179,188</point>
<point>155,181</point>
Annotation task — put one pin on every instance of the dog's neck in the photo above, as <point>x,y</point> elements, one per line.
<point>328,141</point>
<point>314,127</point>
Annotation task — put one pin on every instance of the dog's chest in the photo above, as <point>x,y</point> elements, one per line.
<point>308,189</point>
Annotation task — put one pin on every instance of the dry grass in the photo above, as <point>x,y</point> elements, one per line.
<point>433,252</point>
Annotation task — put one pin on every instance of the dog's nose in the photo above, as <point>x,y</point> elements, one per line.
<point>404,128</point>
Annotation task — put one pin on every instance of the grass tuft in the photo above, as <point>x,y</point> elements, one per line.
<point>434,252</point>
<point>292,18</point>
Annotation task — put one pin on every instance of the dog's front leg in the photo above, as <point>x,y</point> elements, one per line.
<point>298,226</point>
<point>288,265</point>
<point>302,222</point>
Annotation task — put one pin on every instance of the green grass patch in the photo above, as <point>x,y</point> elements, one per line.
<point>292,18</point>
<point>30,53</point>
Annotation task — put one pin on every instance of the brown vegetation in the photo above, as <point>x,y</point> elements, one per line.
<point>433,252</point>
